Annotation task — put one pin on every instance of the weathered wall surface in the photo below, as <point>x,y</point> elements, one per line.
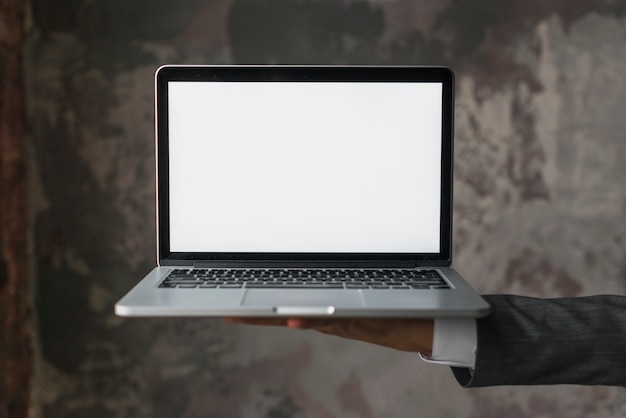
<point>539,186</point>
<point>16,352</point>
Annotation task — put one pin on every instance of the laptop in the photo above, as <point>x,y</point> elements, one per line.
<point>303,191</point>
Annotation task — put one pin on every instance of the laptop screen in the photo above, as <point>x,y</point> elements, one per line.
<point>304,167</point>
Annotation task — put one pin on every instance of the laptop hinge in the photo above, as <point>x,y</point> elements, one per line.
<point>303,264</point>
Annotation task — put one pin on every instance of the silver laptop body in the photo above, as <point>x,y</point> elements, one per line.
<point>304,191</point>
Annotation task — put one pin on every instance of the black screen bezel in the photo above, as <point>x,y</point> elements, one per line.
<point>169,73</point>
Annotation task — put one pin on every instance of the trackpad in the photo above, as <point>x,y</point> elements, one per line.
<point>325,299</point>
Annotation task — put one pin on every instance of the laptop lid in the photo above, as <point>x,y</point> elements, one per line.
<point>292,164</point>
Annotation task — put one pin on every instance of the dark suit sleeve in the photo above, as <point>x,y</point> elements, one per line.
<point>528,341</point>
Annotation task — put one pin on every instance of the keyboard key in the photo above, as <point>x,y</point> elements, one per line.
<point>420,286</point>
<point>357,286</point>
<point>168,285</point>
<point>291,286</point>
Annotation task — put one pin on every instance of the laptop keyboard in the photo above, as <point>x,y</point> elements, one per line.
<point>304,278</point>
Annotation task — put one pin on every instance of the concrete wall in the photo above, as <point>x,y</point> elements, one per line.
<point>539,186</point>
<point>16,348</point>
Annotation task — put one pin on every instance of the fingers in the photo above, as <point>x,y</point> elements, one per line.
<point>334,326</point>
<point>258,321</point>
<point>308,323</point>
<point>298,323</point>
<point>401,334</point>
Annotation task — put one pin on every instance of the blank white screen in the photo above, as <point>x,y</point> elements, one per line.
<point>305,167</point>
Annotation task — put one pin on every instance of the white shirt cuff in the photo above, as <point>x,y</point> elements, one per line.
<point>454,343</point>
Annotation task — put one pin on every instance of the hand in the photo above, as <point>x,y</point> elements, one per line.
<point>406,334</point>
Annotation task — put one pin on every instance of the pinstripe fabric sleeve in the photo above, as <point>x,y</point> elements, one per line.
<point>529,341</point>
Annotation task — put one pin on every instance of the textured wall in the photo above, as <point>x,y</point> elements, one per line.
<point>16,353</point>
<point>539,186</point>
